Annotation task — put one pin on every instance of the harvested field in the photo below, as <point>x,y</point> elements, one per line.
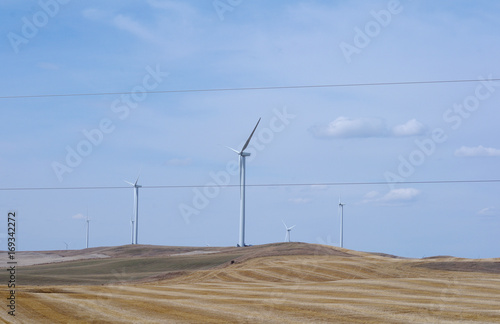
<point>275,283</point>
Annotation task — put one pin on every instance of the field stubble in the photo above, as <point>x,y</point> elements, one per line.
<point>278,283</point>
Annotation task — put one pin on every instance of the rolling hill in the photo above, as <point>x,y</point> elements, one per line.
<point>273,283</point>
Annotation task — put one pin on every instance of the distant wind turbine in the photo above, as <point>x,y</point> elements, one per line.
<point>341,211</point>
<point>136,208</point>
<point>243,155</point>
<point>67,245</point>
<point>88,229</point>
<point>288,230</point>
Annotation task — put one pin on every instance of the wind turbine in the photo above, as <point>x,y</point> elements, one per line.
<point>88,229</point>
<point>136,208</point>
<point>288,230</point>
<point>243,155</point>
<point>341,211</point>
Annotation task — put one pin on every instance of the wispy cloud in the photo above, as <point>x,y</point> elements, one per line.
<point>372,195</point>
<point>344,127</point>
<point>393,197</point>
<point>410,128</point>
<point>480,150</point>
<point>134,27</point>
<point>300,201</point>
<point>78,216</point>
<point>488,211</point>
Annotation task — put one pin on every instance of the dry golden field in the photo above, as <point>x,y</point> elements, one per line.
<point>275,283</point>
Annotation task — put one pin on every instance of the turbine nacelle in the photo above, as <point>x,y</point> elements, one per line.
<point>135,185</point>
<point>241,153</point>
<point>288,228</point>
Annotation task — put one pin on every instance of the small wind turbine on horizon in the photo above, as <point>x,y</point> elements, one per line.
<point>243,155</point>
<point>341,212</point>
<point>88,230</point>
<point>288,230</point>
<point>136,208</point>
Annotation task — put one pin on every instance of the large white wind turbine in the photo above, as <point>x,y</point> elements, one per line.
<point>341,212</point>
<point>288,230</point>
<point>243,155</point>
<point>136,207</point>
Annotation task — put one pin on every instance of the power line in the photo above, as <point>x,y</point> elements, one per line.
<point>250,88</point>
<point>259,185</point>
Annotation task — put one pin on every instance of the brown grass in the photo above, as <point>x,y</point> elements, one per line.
<point>277,283</point>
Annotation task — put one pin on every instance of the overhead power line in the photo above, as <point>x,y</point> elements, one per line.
<point>260,185</point>
<point>248,88</point>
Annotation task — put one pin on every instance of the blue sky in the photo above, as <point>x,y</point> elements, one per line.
<point>310,136</point>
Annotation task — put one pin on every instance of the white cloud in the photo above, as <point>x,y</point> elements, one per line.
<point>372,195</point>
<point>400,195</point>
<point>78,216</point>
<point>488,211</point>
<point>300,200</point>
<point>480,150</point>
<point>394,196</point>
<point>344,127</point>
<point>135,28</point>
<point>410,128</point>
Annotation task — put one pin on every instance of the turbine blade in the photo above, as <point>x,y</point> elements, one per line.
<point>249,138</point>
<point>138,175</point>
<point>130,183</point>
<point>292,227</point>
<point>284,224</point>
<point>232,149</point>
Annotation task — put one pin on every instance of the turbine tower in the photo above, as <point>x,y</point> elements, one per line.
<point>136,208</point>
<point>288,230</point>
<point>243,155</point>
<point>341,211</point>
<point>88,229</point>
<point>132,230</point>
